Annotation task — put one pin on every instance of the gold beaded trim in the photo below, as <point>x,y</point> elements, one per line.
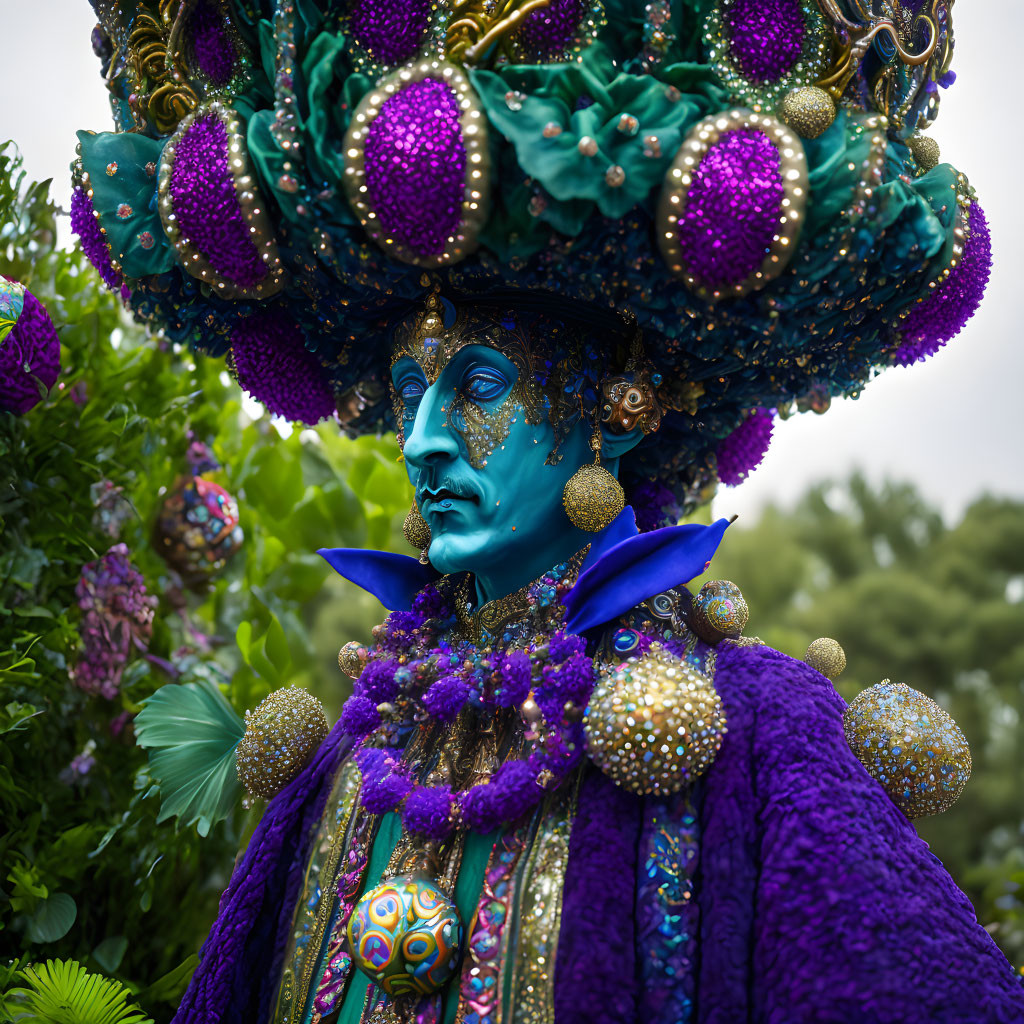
<point>679,178</point>
<point>250,203</point>
<point>476,192</point>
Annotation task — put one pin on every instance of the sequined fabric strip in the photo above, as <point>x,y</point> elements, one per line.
<point>480,983</point>
<point>310,915</point>
<point>667,913</point>
<point>337,964</point>
<point>540,910</point>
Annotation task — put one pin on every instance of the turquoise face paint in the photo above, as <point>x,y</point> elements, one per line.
<point>481,472</point>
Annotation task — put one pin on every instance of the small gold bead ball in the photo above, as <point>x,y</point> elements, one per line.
<point>718,611</point>
<point>281,734</point>
<point>925,149</point>
<point>826,656</point>
<point>352,659</point>
<point>653,724</point>
<point>416,530</point>
<point>808,110</point>
<point>910,745</point>
<point>592,498</point>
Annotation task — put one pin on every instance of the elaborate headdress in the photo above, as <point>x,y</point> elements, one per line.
<point>290,178</point>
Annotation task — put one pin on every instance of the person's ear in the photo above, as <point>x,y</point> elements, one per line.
<point>614,446</point>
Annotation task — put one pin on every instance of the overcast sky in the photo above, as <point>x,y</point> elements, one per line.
<point>952,425</point>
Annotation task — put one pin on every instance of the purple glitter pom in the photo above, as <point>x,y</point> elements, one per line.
<point>377,681</point>
<point>654,505</point>
<point>415,163</point>
<point>428,812</point>
<point>742,451</point>
<point>272,364</point>
<point>512,791</point>
<point>214,52</point>
<point>359,716</point>
<point>514,674</point>
<point>446,697</point>
<point>91,238</point>
<point>550,31</point>
<point>429,604</point>
<point>390,31</point>
<point>732,209</point>
<point>562,646</point>
<point>385,786</point>
<point>765,37</point>
<point>202,193</point>
<point>942,314</point>
<point>29,358</point>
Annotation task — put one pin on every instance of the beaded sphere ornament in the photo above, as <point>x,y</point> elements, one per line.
<point>718,612</point>
<point>910,745</point>
<point>406,935</point>
<point>197,529</point>
<point>281,734</point>
<point>352,658</point>
<point>826,656</point>
<point>653,724</point>
<point>808,110</point>
<point>593,497</point>
<point>415,529</point>
<point>29,349</point>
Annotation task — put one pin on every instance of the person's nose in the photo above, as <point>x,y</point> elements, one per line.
<point>431,441</point>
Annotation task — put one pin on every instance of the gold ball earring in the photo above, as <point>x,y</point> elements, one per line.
<point>593,497</point>
<point>417,532</point>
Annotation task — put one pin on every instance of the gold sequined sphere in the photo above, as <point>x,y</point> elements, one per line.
<point>826,656</point>
<point>808,110</point>
<point>592,498</point>
<point>718,611</point>
<point>352,658</point>
<point>926,151</point>
<point>281,735</point>
<point>910,745</point>
<point>654,724</point>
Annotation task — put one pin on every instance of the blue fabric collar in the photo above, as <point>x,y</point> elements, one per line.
<point>622,569</point>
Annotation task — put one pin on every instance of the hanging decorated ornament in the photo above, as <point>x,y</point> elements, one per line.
<point>29,349</point>
<point>197,529</point>
<point>212,210</point>
<point>653,724</point>
<point>826,656</point>
<point>718,612</point>
<point>732,206</point>
<point>352,658</point>
<point>808,110</point>
<point>281,735</point>
<point>925,149</point>
<point>416,168</point>
<point>406,934</point>
<point>910,745</point>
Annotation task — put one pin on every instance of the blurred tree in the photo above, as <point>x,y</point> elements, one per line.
<point>939,608</point>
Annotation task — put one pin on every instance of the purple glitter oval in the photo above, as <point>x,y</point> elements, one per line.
<point>741,452</point>
<point>271,363</point>
<point>211,44</point>
<point>765,37</point>
<point>550,31</point>
<point>91,239</point>
<point>943,313</point>
<point>202,192</point>
<point>732,209</point>
<point>415,161</point>
<point>390,31</point>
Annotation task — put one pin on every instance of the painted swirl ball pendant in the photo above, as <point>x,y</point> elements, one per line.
<point>406,935</point>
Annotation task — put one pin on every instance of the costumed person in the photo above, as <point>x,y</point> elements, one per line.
<point>577,255</point>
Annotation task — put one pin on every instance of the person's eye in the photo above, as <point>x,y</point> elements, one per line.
<point>484,385</point>
<point>411,390</point>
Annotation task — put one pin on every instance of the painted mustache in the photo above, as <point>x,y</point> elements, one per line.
<point>449,486</point>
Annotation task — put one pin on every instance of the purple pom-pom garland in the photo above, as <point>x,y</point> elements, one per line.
<point>29,350</point>
<point>742,451</point>
<point>211,208</point>
<point>420,674</point>
<point>270,361</point>
<point>942,314</point>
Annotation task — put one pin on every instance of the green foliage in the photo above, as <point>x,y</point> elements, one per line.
<point>64,992</point>
<point>88,868</point>
<point>937,607</point>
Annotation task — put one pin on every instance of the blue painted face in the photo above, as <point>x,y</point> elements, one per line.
<point>481,472</point>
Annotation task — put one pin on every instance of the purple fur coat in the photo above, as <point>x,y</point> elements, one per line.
<point>818,901</point>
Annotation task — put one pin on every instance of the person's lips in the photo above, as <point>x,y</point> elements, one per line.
<point>442,497</point>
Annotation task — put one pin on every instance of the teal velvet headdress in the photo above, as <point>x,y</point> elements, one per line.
<point>746,178</point>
